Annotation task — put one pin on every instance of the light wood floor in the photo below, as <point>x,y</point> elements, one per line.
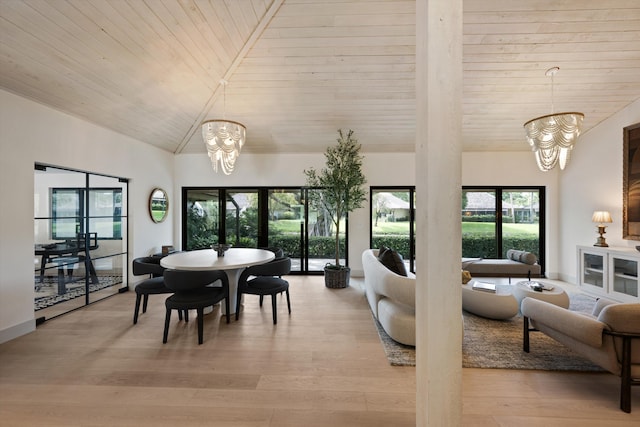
<point>323,366</point>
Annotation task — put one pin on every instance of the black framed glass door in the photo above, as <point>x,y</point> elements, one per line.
<point>287,224</point>
<point>393,221</point>
<point>261,217</point>
<point>80,235</point>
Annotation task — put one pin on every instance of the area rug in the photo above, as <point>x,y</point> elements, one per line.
<point>397,354</point>
<point>498,344</point>
<point>46,293</point>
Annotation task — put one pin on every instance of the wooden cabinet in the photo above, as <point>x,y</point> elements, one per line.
<point>610,272</point>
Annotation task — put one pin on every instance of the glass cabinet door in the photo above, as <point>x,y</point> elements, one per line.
<point>593,270</point>
<point>625,276</point>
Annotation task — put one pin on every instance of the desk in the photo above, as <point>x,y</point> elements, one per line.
<point>56,250</point>
<point>234,261</point>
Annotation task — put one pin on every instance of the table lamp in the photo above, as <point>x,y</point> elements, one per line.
<point>601,217</point>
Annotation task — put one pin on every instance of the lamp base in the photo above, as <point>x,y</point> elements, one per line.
<point>601,242</point>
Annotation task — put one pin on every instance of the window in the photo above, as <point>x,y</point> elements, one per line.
<point>68,210</point>
<point>496,219</point>
<point>262,217</point>
<point>65,212</point>
<point>393,221</point>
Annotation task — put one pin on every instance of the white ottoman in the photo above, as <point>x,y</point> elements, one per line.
<point>557,295</point>
<point>499,306</point>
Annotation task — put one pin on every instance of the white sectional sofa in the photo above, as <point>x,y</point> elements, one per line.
<point>391,297</point>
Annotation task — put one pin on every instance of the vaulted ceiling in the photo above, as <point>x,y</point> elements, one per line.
<point>298,70</point>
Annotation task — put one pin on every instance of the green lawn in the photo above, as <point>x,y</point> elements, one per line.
<point>292,226</point>
<point>392,228</point>
<point>509,229</point>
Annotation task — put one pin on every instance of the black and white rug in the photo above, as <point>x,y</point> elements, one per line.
<point>46,293</point>
<point>498,344</point>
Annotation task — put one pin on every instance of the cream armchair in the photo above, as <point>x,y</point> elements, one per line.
<point>609,337</point>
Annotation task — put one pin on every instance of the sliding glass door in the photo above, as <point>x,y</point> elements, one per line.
<point>520,221</point>
<point>262,217</point>
<point>104,236</point>
<point>241,218</point>
<point>80,254</point>
<point>393,221</point>
<point>479,219</point>
<point>201,210</point>
<point>496,219</point>
<point>286,225</point>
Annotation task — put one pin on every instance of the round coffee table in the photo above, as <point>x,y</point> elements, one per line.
<point>557,295</point>
<point>499,305</point>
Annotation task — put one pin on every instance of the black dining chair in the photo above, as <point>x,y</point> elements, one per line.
<point>267,280</point>
<point>194,290</point>
<point>279,252</point>
<point>154,285</point>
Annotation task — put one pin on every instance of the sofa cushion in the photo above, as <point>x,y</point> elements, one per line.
<point>522,256</point>
<point>392,260</point>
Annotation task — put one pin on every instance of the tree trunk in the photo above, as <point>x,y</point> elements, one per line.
<point>338,242</point>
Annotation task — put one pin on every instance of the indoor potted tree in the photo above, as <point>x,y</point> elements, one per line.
<point>339,189</point>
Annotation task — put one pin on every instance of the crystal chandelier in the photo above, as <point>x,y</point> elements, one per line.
<point>224,139</point>
<point>553,136</point>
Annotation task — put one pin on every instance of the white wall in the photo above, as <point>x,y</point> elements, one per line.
<point>30,133</point>
<point>593,181</point>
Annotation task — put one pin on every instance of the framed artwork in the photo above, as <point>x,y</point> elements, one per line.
<point>631,183</point>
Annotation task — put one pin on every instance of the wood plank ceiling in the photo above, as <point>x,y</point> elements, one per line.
<point>298,70</point>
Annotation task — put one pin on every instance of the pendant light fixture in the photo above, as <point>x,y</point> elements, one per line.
<point>223,138</point>
<point>553,136</point>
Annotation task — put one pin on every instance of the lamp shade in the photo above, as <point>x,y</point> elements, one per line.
<point>601,217</point>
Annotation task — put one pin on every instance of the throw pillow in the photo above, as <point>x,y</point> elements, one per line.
<point>382,250</point>
<point>466,277</point>
<point>393,261</point>
<point>522,256</point>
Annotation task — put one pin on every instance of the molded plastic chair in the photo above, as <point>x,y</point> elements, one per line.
<point>267,281</point>
<point>192,291</point>
<point>152,286</point>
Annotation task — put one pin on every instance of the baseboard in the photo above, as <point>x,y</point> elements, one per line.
<point>357,273</point>
<point>17,330</point>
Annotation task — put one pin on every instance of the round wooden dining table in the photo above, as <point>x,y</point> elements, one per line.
<point>234,261</point>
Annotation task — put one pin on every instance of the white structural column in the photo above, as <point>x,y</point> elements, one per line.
<point>438,192</point>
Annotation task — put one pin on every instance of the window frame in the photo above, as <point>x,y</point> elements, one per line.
<point>80,211</point>
<point>499,190</point>
<point>411,189</point>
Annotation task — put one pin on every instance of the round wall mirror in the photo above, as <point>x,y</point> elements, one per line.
<point>158,205</point>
